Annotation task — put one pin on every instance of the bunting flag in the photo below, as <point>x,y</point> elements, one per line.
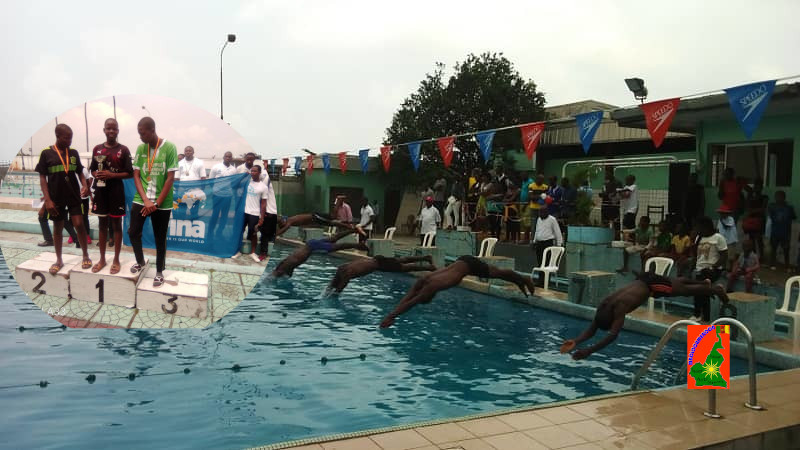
<point>285,166</point>
<point>310,163</point>
<point>658,116</point>
<point>386,157</point>
<point>446,149</point>
<point>531,134</point>
<point>485,143</point>
<point>297,163</point>
<point>363,156</point>
<point>413,151</point>
<point>748,103</point>
<point>326,163</point>
<point>588,123</point>
<point>343,161</point>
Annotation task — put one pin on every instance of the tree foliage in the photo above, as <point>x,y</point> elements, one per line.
<point>484,92</point>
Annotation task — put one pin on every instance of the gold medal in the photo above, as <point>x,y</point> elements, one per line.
<point>148,178</point>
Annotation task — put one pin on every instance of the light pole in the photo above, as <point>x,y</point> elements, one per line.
<point>148,111</point>
<point>231,38</point>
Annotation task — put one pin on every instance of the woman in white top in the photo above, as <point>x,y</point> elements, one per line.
<point>712,253</point>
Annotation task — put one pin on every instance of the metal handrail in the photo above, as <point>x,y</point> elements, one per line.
<point>660,346</point>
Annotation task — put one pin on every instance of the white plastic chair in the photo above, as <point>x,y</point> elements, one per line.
<point>389,233</point>
<point>427,240</point>
<point>784,309</point>
<point>487,247</point>
<point>551,258</point>
<point>331,231</point>
<point>663,266</point>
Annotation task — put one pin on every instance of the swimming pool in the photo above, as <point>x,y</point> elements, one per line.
<point>464,353</point>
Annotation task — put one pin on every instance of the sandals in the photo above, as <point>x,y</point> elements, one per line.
<point>86,263</point>
<point>136,268</point>
<point>158,281</point>
<point>114,269</point>
<point>55,268</point>
<point>98,267</point>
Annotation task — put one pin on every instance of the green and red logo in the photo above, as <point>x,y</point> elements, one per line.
<point>708,357</point>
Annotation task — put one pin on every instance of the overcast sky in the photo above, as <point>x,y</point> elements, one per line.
<point>329,75</point>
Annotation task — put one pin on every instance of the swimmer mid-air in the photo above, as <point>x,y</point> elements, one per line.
<point>426,287</point>
<point>361,267</point>
<point>327,245</point>
<point>284,222</point>
<point>611,311</point>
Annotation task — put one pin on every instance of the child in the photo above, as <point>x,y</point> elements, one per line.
<point>681,244</point>
<point>642,241</point>
<point>782,214</point>
<point>727,228</point>
<point>747,265</point>
<point>663,243</point>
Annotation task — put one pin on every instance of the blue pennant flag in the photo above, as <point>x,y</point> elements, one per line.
<point>748,103</point>
<point>298,161</point>
<point>207,216</point>
<point>363,156</point>
<point>326,163</point>
<point>485,143</point>
<point>271,166</point>
<point>588,123</point>
<point>413,151</point>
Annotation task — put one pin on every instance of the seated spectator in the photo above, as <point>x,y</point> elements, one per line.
<point>746,266</point>
<point>680,249</point>
<point>642,241</point>
<point>663,245</point>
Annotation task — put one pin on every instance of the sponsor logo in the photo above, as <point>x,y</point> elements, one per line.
<point>662,114</point>
<point>750,101</point>
<point>187,228</point>
<point>588,124</point>
<point>708,357</point>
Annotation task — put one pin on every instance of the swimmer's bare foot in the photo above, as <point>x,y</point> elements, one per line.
<point>527,283</point>
<point>567,346</point>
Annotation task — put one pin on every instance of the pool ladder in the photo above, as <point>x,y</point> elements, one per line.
<point>712,393</point>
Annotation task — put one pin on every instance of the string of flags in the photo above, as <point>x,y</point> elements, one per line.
<point>748,103</point>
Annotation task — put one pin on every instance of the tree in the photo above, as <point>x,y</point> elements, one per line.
<point>484,92</point>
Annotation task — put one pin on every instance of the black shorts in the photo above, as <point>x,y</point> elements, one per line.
<point>251,223</point>
<point>629,221</point>
<point>109,200</point>
<point>63,210</point>
<point>477,267</point>
<point>269,228</point>
<point>388,264</point>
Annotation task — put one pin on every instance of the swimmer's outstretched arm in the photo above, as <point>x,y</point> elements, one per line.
<point>285,227</point>
<point>616,327</point>
<point>509,275</point>
<point>570,344</point>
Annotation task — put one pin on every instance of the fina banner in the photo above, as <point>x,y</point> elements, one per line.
<point>326,163</point>
<point>588,123</point>
<point>413,151</point>
<point>363,156</point>
<point>310,163</point>
<point>485,143</point>
<point>531,134</point>
<point>297,163</point>
<point>207,216</point>
<point>343,161</point>
<point>446,149</point>
<point>386,157</point>
<point>658,116</point>
<point>748,103</point>
<point>285,166</point>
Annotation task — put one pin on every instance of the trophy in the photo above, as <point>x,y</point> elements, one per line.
<point>100,159</point>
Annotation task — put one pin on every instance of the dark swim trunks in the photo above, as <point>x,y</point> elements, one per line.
<point>320,245</point>
<point>660,286</point>
<point>477,267</point>
<point>388,264</point>
<point>321,219</point>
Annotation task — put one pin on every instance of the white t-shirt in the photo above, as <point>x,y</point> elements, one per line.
<point>630,204</point>
<point>88,176</point>
<point>708,250</point>
<point>727,228</point>
<point>256,191</point>
<point>366,214</point>
<point>272,205</point>
<point>190,170</point>
<point>429,218</point>
<point>222,189</point>
<point>547,229</point>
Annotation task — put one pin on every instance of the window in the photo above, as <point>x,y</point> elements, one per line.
<point>779,173</point>
<point>769,161</point>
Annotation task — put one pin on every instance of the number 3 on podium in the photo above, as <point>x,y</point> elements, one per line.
<point>171,301</point>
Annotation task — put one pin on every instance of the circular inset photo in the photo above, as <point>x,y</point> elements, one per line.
<point>136,211</point>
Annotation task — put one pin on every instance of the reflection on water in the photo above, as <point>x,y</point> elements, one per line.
<point>287,364</point>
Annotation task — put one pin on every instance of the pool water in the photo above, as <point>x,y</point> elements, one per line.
<point>463,353</point>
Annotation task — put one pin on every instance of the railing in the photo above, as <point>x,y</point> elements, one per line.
<point>712,393</point>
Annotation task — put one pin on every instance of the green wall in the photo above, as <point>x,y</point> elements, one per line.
<point>370,182</point>
<point>730,132</point>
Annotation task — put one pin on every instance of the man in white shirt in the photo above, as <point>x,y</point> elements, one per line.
<point>547,233</point>
<point>270,218</point>
<point>254,209</point>
<point>223,193</point>
<point>429,219</point>
<point>190,168</point>
<point>629,202</point>
<point>249,162</point>
<point>365,222</point>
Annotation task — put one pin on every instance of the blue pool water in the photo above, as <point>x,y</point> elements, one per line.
<point>462,354</point>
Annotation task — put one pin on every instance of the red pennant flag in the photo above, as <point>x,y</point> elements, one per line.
<point>531,135</point>
<point>446,149</point>
<point>386,157</point>
<point>310,163</point>
<point>658,116</point>
<point>285,166</point>
<point>343,161</point>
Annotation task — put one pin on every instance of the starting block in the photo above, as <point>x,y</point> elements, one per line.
<point>382,247</point>
<point>183,294</point>
<point>34,275</point>
<point>103,287</point>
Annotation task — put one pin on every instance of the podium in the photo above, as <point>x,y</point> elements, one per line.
<point>183,294</point>
<point>102,287</point>
<point>34,274</point>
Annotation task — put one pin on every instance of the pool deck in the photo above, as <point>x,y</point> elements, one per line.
<point>664,419</point>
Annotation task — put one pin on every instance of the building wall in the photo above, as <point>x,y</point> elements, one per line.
<point>370,182</point>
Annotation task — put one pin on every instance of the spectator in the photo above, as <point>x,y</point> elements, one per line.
<point>452,214</point>
<point>556,193</point>
<point>439,187</point>
<point>254,211</point>
<point>711,256</point>
<point>511,212</point>
<point>342,211</point>
<point>547,233</point>
<point>473,192</point>
<point>746,266</point>
<point>222,195</point>
<point>781,215</point>
<point>429,219</point>
<point>663,244</point>
<point>694,204</point>
<point>428,192</point>
<point>726,226</point>
<point>629,202</point>
<point>484,188</point>
<point>270,225</point>
<point>642,241</point>
<point>249,162</point>
<point>524,213</point>
<point>609,209</point>
<point>535,191</point>
<point>494,204</point>
<point>570,196</point>
<point>190,168</point>
<point>366,220</point>
<point>681,244</point>
<point>730,191</point>
<point>756,216</point>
